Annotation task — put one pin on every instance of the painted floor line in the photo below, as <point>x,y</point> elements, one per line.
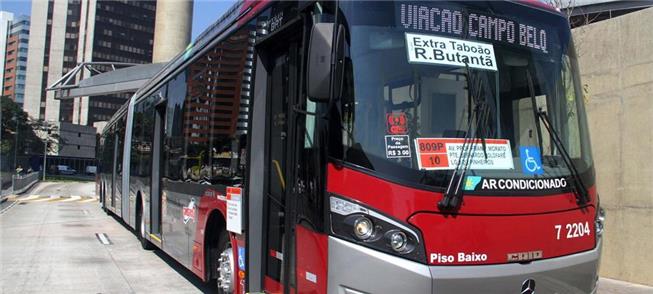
<point>103,238</point>
<point>44,199</point>
<point>71,199</point>
<point>8,207</point>
<point>30,197</point>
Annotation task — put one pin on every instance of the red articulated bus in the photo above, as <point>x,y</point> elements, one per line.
<point>365,147</point>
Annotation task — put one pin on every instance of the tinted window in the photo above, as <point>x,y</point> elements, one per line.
<point>206,118</point>
<point>120,136</point>
<point>174,152</point>
<point>142,136</point>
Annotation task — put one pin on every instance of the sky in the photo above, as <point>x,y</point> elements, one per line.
<point>205,12</point>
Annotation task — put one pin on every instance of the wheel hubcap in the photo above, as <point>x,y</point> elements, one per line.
<point>225,270</point>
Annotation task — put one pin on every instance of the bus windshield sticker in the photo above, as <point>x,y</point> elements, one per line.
<point>397,123</point>
<point>397,146</point>
<point>477,183</point>
<point>471,182</point>
<point>531,161</point>
<point>444,153</point>
<point>241,258</point>
<point>429,49</point>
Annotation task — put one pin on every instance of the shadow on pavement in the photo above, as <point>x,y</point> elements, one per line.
<point>176,266</point>
<point>187,274</point>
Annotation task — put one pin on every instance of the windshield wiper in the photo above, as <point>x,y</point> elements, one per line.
<point>582,196</point>
<point>453,195</point>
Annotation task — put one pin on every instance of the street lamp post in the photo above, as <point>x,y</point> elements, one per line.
<point>16,144</point>
<point>45,156</point>
<point>46,137</point>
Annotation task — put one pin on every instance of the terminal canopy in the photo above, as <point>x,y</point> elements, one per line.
<point>106,78</point>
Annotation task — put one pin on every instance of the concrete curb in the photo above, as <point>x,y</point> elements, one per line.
<point>4,198</point>
<point>7,197</point>
<point>611,286</point>
<point>23,190</point>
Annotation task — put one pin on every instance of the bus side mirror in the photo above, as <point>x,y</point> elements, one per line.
<point>318,71</point>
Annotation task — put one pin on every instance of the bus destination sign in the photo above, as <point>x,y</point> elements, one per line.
<point>427,49</point>
<point>476,25</point>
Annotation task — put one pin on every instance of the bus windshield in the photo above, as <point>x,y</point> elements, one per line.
<point>423,80</point>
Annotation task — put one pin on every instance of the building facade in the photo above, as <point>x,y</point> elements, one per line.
<point>67,32</point>
<point>15,60</point>
<point>54,30</point>
<point>114,31</point>
<point>5,23</point>
<point>79,140</point>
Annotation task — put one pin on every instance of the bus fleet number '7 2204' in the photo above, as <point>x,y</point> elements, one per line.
<point>573,230</point>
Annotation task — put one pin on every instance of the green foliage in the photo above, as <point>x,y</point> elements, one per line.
<point>31,133</point>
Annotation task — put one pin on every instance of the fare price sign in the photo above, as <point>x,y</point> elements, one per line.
<point>446,153</point>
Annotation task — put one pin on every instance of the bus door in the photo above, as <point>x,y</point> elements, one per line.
<point>118,193</point>
<point>114,177</point>
<point>282,65</point>
<point>157,147</point>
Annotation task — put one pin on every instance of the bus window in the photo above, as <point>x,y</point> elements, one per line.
<point>174,140</point>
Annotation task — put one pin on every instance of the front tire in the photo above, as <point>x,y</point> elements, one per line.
<point>224,263</point>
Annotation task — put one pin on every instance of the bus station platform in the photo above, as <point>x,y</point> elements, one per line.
<point>610,286</point>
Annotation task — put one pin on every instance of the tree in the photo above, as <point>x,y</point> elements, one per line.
<point>22,135</point>
<point>48,132</point>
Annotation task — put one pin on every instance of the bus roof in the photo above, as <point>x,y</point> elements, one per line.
<point>241,11</point>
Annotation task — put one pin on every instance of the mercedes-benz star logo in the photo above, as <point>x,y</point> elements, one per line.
<point>528,287</point>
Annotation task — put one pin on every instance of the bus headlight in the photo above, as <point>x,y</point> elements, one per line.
<point>398,240</point>
<point>600,221</point>
<point>356,223</point>
<point>363,228</point>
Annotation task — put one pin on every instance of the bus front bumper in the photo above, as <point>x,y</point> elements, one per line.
<point>354,269</point>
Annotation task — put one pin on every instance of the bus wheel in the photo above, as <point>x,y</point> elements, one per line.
<point>145,243</point>
<point>225,265</point>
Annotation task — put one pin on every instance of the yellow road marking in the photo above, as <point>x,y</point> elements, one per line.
<point>59,199</point>
<point>75,198</point>
<point>42,199</point>
<point>71,199</point>
<point>30,197</point>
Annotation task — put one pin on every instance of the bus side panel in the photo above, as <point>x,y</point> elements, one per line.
<point>179,218</point>
<point>209,203</point>
<point>312,258</point>
<point>272,286</point>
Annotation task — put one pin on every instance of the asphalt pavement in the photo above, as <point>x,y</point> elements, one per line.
<point>49,244</point>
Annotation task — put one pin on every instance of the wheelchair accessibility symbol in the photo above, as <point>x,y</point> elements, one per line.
<point>531,162</point>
